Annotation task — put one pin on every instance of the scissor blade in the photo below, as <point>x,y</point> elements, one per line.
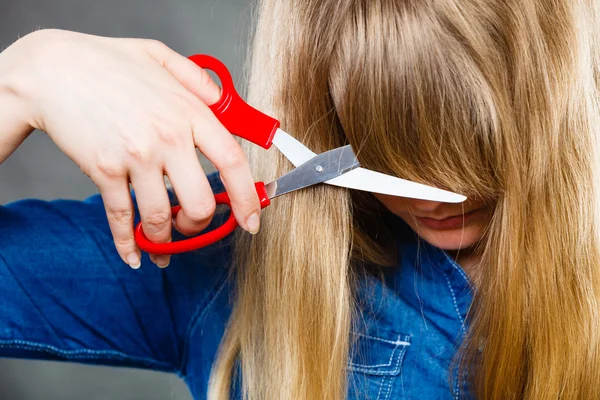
<point>291,148</point>
<point>364,179</point>
<point>318,169</point>
<point>371,181</point>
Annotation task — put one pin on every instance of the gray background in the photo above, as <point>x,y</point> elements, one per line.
<point>38,169</point>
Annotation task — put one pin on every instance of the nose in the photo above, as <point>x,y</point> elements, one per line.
<point>425,206</point>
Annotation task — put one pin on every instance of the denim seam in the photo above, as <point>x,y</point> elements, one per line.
<point>378,373</point>
<point>400,357</point>
<point>200,311</point>
<point>456,267</point>
<point>394,342</point>
<point>391,379</point>
<point>26,293</point>
<point>381,382</point>
<point>462,322</point>
<point>83,353</point>
<point>366,368</point>
<point>389,389</point>
<point>456,387</point>
<point>377,365</point>
<point>397,344</point>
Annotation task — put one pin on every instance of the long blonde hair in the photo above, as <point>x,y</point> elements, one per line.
<point>496,99</point>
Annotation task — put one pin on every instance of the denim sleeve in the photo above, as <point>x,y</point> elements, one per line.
<point>65,294</point>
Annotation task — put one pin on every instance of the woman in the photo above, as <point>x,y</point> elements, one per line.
<point>337,296</point>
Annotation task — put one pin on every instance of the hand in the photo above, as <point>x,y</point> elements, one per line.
<point>133,110</point>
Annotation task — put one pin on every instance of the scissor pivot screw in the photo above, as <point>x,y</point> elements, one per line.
<point>319,168</point>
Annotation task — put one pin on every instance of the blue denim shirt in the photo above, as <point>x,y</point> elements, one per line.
<point>66,295</point>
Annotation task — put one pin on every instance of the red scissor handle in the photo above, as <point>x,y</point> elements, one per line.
<point>241,120</point>
<point>235,114</point>
<point>204,239</point>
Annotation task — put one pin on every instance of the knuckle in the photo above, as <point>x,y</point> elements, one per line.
<point>109,166</point>
<point>166,136</point>
<point>157,221</point>
<point>201,213</point>
<point>233,158</point>
<point>249,200</point>
<point>120,216</point>
<point>153,43</point>
<point>136,152</point>
<point>125,242</point>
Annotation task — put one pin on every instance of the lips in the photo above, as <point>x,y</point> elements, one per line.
<point>452,216</point>
<point>453,222</point>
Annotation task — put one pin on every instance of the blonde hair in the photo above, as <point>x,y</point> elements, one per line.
<point>491,99</point>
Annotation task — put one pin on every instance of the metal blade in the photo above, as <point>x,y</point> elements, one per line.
<point>364,179</point>
<point>371,181</point>
<point>321,168</point>
<point>291,148</point>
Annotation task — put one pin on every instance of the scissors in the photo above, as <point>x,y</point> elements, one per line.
<point>337,167</point>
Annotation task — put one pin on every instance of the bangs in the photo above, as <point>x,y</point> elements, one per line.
<point>412,100</point>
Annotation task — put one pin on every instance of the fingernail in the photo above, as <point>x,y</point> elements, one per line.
<point>133,259</point>
<point>163,261</point>
<point>253,223</point>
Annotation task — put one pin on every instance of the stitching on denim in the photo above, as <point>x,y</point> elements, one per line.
<point>200,311</point>
<point>367,369</point>
<point>395,342</point>
<point>81,353</point>
<point>377,365</point>
<point>391,380</point>
<point>26,293</point>
<point>456,267</point>
<point>90,236</point>
<point>380,387</point>
<point>374,372</point>
<point>456,387</point>
<point>400,357</point>
<point>462,322</point>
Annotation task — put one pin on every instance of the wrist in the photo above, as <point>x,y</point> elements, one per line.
<point>15,119</point>
<point>27,67</point>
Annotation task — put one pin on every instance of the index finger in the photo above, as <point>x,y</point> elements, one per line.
<point>219,146</point>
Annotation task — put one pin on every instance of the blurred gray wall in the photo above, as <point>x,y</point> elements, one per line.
<point>38,169</point>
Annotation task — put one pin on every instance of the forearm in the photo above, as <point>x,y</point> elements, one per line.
<point>14,118</point>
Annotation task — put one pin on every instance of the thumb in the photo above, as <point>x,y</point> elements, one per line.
<point>191,76</point>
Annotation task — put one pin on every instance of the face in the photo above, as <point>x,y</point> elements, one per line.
<point>449,226</point>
